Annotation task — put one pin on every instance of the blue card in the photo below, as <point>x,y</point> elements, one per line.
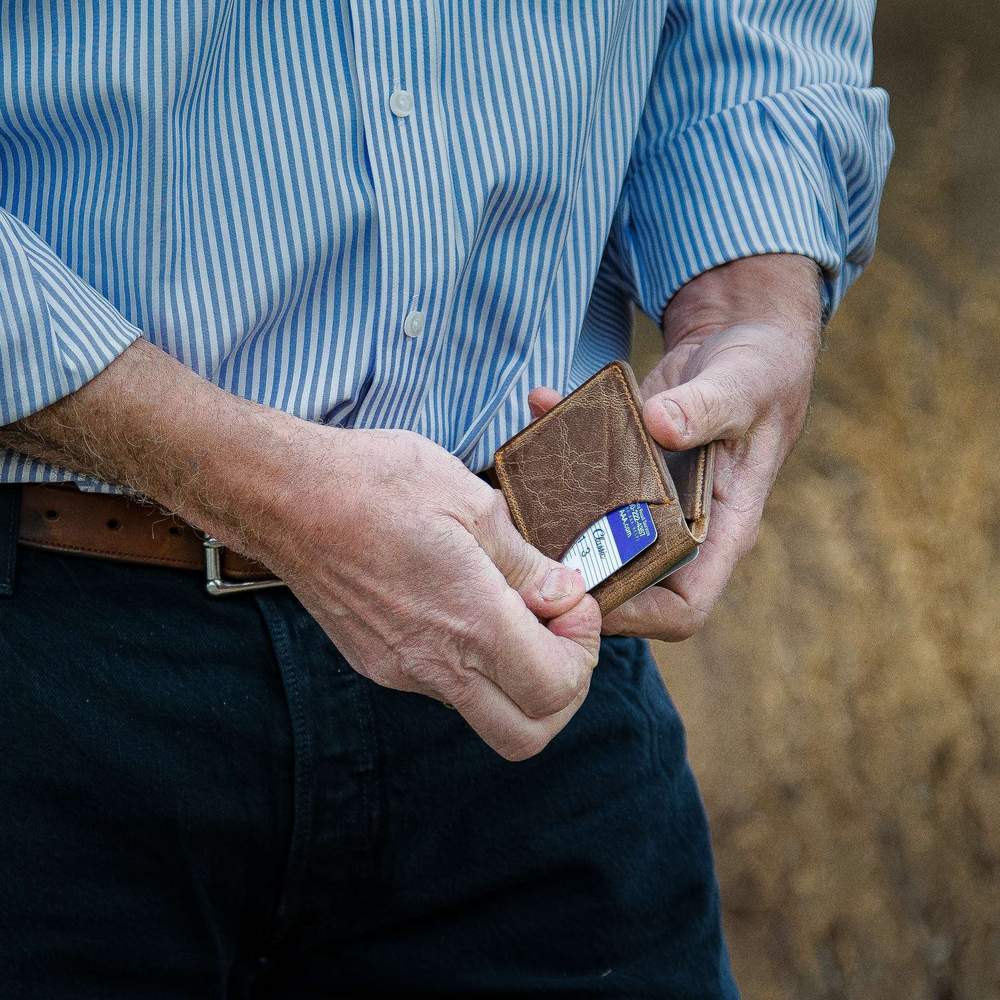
<point>611,542</point>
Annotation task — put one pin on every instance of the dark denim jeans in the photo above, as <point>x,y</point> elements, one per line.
<point>200,799</point>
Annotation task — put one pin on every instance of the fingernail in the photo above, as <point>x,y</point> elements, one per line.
<point>556,585</point>
<point>676,415</point>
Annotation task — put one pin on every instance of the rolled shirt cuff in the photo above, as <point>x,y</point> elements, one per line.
<point>769,176</point>
<point>56,331</point>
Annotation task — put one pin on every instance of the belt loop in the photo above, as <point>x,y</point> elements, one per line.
<point>10,516</point>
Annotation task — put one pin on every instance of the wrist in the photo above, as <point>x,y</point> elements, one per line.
<point>226,465</point>
<point>250,466</point>
<point>262,478</point>
<point>778,290</point>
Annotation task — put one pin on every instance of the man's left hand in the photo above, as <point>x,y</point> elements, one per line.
<point>740,351</point>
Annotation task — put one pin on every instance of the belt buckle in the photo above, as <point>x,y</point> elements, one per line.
<point>216,585</point>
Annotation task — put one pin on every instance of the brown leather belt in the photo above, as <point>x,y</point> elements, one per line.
<point>64,519</point>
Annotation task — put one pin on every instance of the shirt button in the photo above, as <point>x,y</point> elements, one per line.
<point>401,103</point>
<point>413,325</point>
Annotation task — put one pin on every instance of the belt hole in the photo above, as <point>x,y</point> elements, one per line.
<point>51,515</point>
<point>114,524</point>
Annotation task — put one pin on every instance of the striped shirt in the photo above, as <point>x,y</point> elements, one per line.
<point>380,214</point>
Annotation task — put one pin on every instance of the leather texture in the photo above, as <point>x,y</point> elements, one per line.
<point>64,519</point>
<point>590,455</point>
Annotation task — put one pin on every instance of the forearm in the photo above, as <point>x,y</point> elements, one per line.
<point>451,602</point>
<point>151,424</point>
<point>783,290</point>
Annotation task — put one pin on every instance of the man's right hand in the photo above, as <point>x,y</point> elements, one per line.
<point>414,569</point>
<point>409,562</point>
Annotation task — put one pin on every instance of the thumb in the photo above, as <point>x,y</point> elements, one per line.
<point>716,405</point>
<point>548,588</point>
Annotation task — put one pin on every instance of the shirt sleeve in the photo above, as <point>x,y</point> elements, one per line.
<point>760,134</point>
<point>56,331</point>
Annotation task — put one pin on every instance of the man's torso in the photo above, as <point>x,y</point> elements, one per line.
<point>238,180</point>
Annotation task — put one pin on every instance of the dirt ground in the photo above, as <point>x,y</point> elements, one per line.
<point>843,705</point>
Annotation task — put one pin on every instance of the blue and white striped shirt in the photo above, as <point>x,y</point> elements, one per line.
<point>382,214</point>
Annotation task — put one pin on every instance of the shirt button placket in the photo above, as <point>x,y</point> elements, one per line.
<point>401,105</point>
<point>397,98</point>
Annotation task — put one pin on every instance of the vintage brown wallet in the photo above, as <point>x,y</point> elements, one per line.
<point>590,455</point>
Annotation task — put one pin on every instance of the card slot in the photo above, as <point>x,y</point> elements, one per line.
<point>655,509</point>
<point>672,536</point>
<point>555,539</point>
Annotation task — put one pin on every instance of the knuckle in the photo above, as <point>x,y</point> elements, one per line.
<point>718,403</point>
<point>445,663</point>
<point>640,616</point>
<point>524,746</point>
<point>735,399</point>
<point>484,512</point>
<point>468,635</point>
<point>457,689</point>
<point>475,505</point>
<point>689,623</point>
<point>420,672</point>
<point>706,400</point>
<point>554,693</point>
<point>493,503</point>
<point>681,632</point>
<point>622,621</point>
<point>737,388</point>
<point>590,622</point>
<point>495,508</point>
<point>524,568</point>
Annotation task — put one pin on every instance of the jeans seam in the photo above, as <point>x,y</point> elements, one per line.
<point>369,764</point>
<point>302,808</point>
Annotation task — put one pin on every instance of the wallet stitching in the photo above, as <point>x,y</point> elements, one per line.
<point>701,521</point>
<point>699,486</point>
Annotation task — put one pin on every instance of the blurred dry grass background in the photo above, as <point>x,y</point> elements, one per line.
<point>843,705</point>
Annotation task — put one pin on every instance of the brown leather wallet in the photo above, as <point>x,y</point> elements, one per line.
<point>590,455</point>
